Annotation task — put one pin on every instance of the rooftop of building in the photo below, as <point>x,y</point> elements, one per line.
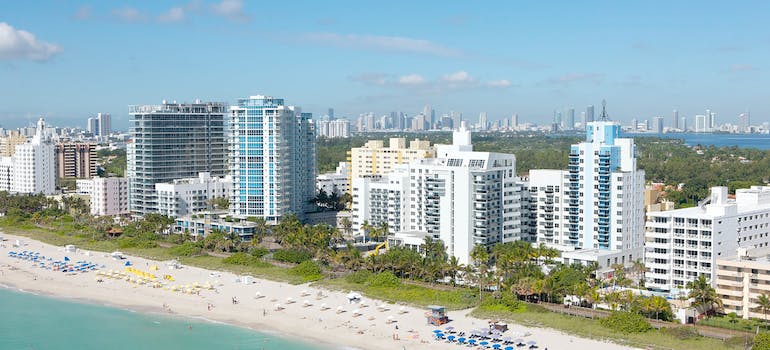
<point>719,203</point>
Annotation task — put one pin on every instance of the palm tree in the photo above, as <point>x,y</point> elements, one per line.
<point>480,258</point>
<point>703,293</point>
<point>346,225</point>
<point>366,228</point>
<point>763,301</point>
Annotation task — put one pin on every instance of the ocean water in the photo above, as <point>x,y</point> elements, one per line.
<point>29,321</point>
<point>759,141</point>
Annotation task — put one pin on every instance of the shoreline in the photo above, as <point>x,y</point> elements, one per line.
<point>335,327</point>
<point>149,311</point>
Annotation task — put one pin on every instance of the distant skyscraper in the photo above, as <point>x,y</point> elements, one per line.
<point>105,124</point>
<point>683,123</point>
<point>273,159</point>
<point>657,125</point>
<point>569,122</point>
<point>744,122</point>
<point>515,121</point>
<point>589,114</point>
<point>330,113</point>
<point>557,118</point>
<point>93,126</point>
<point>483,124</point>
<point>457,117</point>
<point>675,119</point>
<point>173,141</point>
<point>701,123</point>
<point>634,124</point>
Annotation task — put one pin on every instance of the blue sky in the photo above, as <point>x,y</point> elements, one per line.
<point>66,60</point>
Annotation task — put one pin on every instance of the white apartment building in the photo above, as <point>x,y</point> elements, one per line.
<point>109,196</point>
<point>683,244</point>
<point>381,199</point>
<point>334,182</point>
<point>461,197</point>
<point>337,128</point>
<point>375,159</point>
<point>32,168</point>
<point>84,186</point>
<point>189,196</point>
<point>594,211</point>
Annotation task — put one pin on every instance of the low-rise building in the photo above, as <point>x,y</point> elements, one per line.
<point>683,244</point>
<point>203,223</point>
<point>740,280</point>
<point>109,196</point>
<point>334,182</point>
<point>189,196</point>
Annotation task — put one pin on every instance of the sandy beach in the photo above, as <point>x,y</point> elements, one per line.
<point>300,315</point>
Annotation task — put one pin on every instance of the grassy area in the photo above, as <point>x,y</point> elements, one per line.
<point>738,324</point>
<point>410,294</point>
<point>590,328</point>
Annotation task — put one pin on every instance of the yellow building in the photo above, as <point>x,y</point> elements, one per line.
<point>376,159</point>
<point>8,143</point>
<point>740,280</point>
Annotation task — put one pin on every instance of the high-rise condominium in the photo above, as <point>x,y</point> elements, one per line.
<point>101,125</point>
<point>173,141</point>
<point>589,114</point>
<point>272,159</point>
<point>595,210</point>
<point>675,119</point>
<point>32,168</point>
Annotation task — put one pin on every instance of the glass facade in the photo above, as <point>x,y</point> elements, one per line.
<point>173,141</point>
<point>272,159</point>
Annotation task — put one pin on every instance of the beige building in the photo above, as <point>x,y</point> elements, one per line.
<point>740,280</point>
<point>76,160</point>
<point>8,143</point>
<point>376,159</point>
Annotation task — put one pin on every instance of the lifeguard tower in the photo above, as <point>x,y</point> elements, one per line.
<point>437,315</point>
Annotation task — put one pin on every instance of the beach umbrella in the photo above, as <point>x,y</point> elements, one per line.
<point>483,343</point>
<point>496,346</point>
<point>531,342</point>
<point>518,341</point>
<point>508,348</point>
<point>66,259</point>
<point>472,341</point>
<point>461,340</point>
<point>437,331</point>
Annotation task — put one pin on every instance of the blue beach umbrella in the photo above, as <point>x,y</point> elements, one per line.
<point>472,341</point>
<point>508,348</point>
<point>66,259</point>
<point>484,343</point>
<point>461,340</point>
<point>437,331</point>
<point>496,346</point>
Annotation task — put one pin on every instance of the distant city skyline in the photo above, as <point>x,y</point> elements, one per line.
<point>68,61</point>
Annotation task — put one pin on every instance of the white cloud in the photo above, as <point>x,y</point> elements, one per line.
<point>456,80</point>
<point>411,79</point>
<point>129,14</point>
<point>232,9</point>
<point>502,83</point>
<point>16,44</point>
<point>175,14</point>
<point>461,77</point>
<point>379,43</point>
<point>83,13</point>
